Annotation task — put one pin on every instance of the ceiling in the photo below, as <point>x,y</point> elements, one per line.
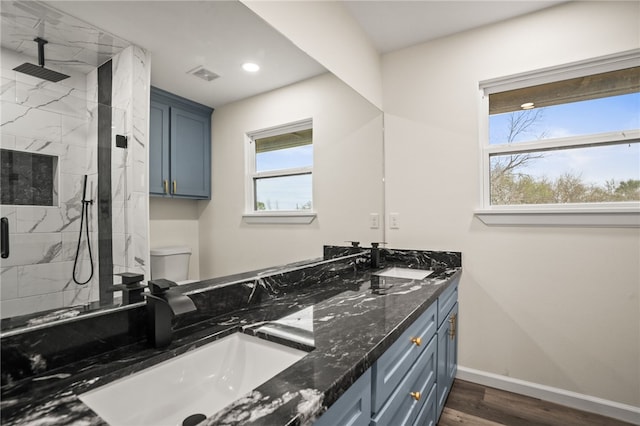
<point>184,35</point>
<point>221,35</point>
<point>392,25</point>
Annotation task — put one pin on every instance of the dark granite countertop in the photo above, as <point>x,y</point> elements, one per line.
<point>356,317</point>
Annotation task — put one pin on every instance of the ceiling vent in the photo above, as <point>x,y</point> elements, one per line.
<point>203,73</point>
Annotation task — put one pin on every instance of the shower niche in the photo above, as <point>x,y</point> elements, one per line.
<point>28,178</point>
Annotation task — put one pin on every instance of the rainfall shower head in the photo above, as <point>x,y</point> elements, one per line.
<point>40,71</point>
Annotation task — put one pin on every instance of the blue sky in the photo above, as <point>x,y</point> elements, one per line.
<point>594,164</point>
<point>285,193</point>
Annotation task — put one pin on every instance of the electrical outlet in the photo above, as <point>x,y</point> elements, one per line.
<point>394,220</point>
<point>374,220</point>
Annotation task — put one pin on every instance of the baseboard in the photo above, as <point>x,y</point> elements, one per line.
<point>627,413</point>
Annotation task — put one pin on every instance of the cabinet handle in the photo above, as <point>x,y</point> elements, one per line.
<point>165,185</point>
<point>175,187</point>
<point>452,326</point>
<point>416,340</point>
<point>415,395</point>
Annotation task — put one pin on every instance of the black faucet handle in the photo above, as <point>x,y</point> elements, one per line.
<point>376,244</point>
<point>130,279</point>
<point>160,286</point>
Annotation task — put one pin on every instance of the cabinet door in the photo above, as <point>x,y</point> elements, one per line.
<point>353,408</point>
<point>158,149</point>
<point>447,356</point>
<point>190,154</point>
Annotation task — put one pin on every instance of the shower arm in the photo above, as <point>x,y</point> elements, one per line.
<point>41,42</point>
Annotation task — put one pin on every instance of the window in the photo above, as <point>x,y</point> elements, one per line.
<point>280,171</point>
<point>564,140</point>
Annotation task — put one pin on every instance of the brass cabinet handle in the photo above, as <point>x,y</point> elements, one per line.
<point>175,186</point>
<point>452,326</point>
<point>415,395</point>
<point>165,186</point>
<point>416,340</point>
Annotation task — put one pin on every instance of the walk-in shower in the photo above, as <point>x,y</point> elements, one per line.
<point>67,219</point>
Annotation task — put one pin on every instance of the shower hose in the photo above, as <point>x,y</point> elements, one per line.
<point>84,219</point>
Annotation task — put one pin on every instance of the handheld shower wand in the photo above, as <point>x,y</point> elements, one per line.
<point>84,219</point>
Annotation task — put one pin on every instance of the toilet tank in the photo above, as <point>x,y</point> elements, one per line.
<point>171,263</point>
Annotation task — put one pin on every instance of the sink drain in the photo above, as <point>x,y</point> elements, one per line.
<point>193,419</point>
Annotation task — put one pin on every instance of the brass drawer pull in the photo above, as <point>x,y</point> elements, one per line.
<point>416,340</point>
<point>165,186</point>
<point>415,395</point>
<point>175,187</point>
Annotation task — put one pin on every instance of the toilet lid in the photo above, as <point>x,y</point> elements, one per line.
<point>168,251</point>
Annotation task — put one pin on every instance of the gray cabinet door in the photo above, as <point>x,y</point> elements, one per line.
<point>447,356</point>
<point>353,408</point>
<point>159,149</point>
<point>190,154</point>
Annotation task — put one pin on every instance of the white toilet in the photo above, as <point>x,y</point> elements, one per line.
<point>171,263</point>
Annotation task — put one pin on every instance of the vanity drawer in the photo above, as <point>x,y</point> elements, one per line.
<point>392,366</point>
<point>408,399</point>
<point>429,412</point>
<point>447,299</point>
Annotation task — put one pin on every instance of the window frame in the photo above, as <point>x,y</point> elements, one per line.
<point>618,214</point>
<point>251,215</point>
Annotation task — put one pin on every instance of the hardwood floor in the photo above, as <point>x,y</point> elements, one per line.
<point>472,404</point>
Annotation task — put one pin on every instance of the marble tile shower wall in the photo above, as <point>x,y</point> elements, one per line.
<point>131,77</point>
<point>52,119</point>
<point>60,119</point>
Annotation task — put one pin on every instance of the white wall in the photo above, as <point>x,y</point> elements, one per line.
<point>318,28</point>
<point>347,177</point>
<point>552,306</point>
<point>174,222</point>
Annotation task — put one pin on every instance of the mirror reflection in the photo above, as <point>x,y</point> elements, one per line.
<point>218,236</point>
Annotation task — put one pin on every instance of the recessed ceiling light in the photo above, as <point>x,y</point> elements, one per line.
<point>250,67</point>
<point>527,105</point>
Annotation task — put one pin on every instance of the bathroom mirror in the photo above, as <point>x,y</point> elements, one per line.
<point>347,167</point>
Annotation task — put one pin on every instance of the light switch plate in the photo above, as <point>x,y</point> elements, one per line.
<point>394,220</point>
<point>374,220</point>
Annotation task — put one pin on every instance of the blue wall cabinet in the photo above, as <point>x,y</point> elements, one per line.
<point>158,148</point>
<point>179,147</point>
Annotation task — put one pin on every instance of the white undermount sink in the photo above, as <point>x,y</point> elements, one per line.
<point>408,273</point>
<point>201,381</point>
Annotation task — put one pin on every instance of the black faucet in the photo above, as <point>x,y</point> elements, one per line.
<point>375,255</point>
<point>163,304</point>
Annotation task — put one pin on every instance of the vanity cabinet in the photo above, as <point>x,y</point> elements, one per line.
<point>179,147</point>
<point>409,384</point>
